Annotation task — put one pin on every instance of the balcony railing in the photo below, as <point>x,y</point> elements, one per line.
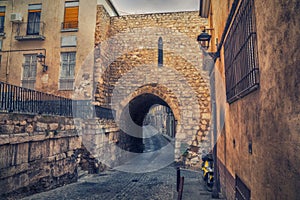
<point>15,99</point>
<point>72,25</point>
<point>30,31</point>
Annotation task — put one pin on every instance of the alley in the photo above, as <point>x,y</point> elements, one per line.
<point>148,175</point>
<point>114,184</point>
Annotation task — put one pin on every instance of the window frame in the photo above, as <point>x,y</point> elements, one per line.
<point>32,70</point>
<point>34,19</point>
<point>70,25</point>
<point>63,78</point>
<point>2,18</point>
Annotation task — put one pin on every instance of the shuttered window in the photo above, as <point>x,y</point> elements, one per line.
<point>67,72</point>
<point>71,15</point>
<point>2,17</point>
<point>29,71</point>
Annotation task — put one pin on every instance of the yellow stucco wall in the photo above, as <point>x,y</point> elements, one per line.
<point>269,116</point>
<point>53,15</point>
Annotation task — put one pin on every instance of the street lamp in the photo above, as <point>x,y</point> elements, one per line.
<point>42,58</point>
<point>204,39</point>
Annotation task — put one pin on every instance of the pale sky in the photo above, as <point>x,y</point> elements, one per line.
<point>154,6</point>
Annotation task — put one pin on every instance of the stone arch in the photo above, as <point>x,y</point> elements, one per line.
<point>161,92</point>
<point>136,73</point>
<point>126,57</point>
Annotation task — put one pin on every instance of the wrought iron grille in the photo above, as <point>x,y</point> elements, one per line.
<point>241,57</point>
<point>242,191</point>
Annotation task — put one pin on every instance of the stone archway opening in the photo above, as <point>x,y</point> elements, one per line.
<point>140,120</point>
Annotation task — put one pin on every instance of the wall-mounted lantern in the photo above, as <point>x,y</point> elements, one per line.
<point>204,39</point>
<point>41,58</point>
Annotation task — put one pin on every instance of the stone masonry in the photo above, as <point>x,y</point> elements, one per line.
<point>36,153</point>
<point>126,66</point>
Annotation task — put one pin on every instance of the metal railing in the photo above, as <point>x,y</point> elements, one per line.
<point>242,191</point>
<point>23,100</point>
<point>69,25</point>
<point>15,99</point>
<point>30,28</point>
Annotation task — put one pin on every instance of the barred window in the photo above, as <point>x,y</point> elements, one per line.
<point>241,57</point>
<point>29,71</point>
<point>67,73</point>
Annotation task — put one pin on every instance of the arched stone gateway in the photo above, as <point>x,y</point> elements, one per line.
<point>129,80</point>
<point>177,84</point>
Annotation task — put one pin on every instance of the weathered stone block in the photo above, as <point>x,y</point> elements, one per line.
<point>7,128</point>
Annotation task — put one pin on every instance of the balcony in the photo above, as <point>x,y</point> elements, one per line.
<point>69,26</point>
<point>30,31</point>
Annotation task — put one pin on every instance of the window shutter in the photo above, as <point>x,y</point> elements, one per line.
<point>71,14</point>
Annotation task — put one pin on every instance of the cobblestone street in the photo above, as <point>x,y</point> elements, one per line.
<point>114,184</point>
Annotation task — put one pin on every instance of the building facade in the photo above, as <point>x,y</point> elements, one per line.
<point>258,147</point>
<point>44,43</point>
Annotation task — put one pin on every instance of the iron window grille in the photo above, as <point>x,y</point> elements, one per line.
<point>240,51</point>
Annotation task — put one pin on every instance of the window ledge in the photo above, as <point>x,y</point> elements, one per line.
<point>2,34</point>
<point>30,37</point>
<point>69,30</point>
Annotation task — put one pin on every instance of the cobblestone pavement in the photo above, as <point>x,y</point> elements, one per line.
<point>150,175</point>
<point>117,185</point>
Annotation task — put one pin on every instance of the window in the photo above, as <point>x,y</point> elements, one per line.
<point>241,57</point>
<point>71,15</point>
<point>160,52</point>
<point>34,16</point>
<point>2,17</point>
<point>67,73</point>
<point>29,70</point>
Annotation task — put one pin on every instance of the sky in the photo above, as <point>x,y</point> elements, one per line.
<point>154,6</point>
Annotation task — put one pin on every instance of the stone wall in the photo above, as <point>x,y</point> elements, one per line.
<point>104,143</point>
<point>127,65</point>
<point>36,153</point>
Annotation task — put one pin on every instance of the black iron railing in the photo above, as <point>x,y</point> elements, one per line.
<point>15,99</point>
<point>24,100</point>
<point>241,57</point>
<point>30,31</point>
<point>69,25</point>
<point>34,28</point>
<point>242,191</point>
